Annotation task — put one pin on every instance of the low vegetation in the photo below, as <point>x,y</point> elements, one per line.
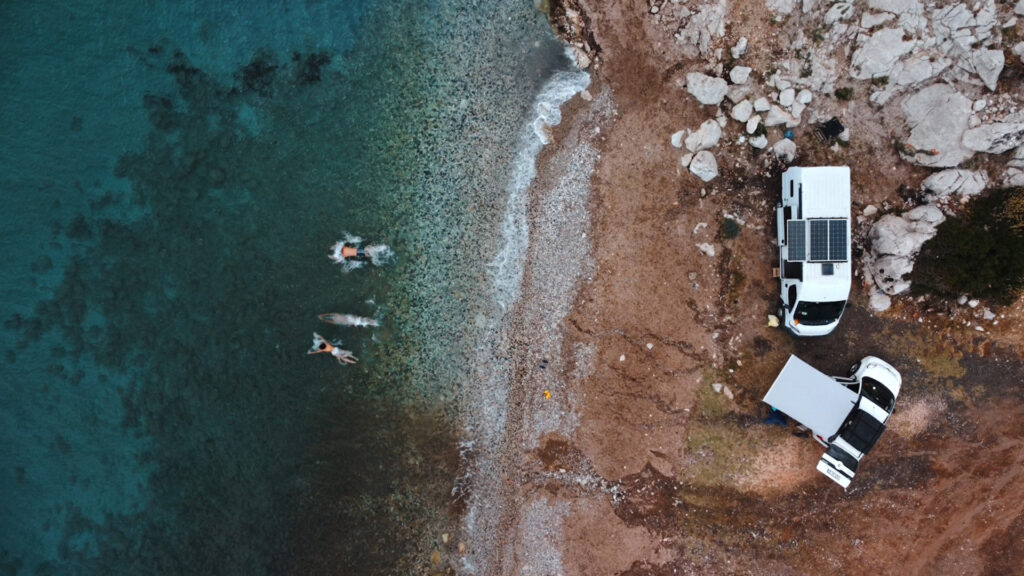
<point>980,253</point>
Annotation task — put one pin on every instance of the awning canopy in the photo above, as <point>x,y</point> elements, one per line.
<point>810,397</point>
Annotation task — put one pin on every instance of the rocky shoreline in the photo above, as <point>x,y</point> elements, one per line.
<point>633,436</point>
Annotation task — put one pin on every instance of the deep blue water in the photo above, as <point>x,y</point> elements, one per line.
<point>173,175</point>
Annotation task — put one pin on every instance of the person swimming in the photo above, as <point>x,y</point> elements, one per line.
<point>322,346</point>
<point>352,254</point>
<point>348,320</point>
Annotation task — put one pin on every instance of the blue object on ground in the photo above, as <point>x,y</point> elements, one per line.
<point>776,417</point>
<point>788,134</point>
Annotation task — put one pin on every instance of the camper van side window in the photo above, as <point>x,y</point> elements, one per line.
<point>790,188</point>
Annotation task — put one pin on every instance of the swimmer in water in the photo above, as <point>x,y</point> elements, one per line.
<point>352,254</point>
<point>347,320</point>
<point>321,346</point>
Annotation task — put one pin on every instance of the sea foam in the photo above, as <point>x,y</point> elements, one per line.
<point>507,266</point>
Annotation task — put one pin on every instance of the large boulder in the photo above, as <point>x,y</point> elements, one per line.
<point>701,27</point>
<point>954,181</point>
<point>937,117</point>
<point>879,54</point>
<point>706,89</point>
<point>742,111</point>
<point>997,137</point>
<point>706,137</point>
<point>704,166</point>
<point>895,242</point>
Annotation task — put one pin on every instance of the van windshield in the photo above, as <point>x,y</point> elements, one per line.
<point>817,313</point>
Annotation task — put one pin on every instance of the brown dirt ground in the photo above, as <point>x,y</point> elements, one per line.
<point>691,482</point>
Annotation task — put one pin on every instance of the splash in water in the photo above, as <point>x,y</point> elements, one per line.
<point>351,254</point>
<point>348,320</point>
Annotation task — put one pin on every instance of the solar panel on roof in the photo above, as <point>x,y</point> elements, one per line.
<point>837,240</point>
<point>796,232</point>
<point>819,240</point>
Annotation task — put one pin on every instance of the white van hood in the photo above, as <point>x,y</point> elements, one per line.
<point>816,287</point>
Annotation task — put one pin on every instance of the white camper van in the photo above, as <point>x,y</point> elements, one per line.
<point>847,415</point>
<point>813,222</point>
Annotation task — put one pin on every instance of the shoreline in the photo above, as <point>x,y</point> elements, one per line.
<point>638,463</point>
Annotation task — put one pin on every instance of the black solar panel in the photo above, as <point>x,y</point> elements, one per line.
<point>796,231</point>
<point>819,239</point>
<point>837,240</point>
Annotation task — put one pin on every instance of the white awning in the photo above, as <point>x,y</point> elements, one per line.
<point>810,397</point>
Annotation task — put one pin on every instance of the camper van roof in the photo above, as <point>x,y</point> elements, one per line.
<point>810,397</point>
<point>825,191</point>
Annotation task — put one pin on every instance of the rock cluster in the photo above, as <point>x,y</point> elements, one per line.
<point>895,242</point>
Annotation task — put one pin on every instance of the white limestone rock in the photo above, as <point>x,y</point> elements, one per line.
<point>785,150</point>
<point>707,90</point>
<point>704,166</point>
<point>1018,50</point>
<point>701,27</point>
<point>739,74</point>
<point>838,11</point>
<point>869,20</point>
<point>739,49</point>
<point>787,97</point>
<point>762,104</point>
<point>742,111</point>
<point>937,117</point>
<point>895,242</point>
<point>739,92</point>
<point>759,142</point>
<point>804,97</point>
<point>752,123</point>
<point>706,137</point>
<point>997,137</point>
<point>777,116</point>
<point>781,7</point>
<point>677,139</point>
<point>879,54</point>
<point>955,181</point>
<point>879,301</point>
<point>989,64</point>
<point>1019,8</point>
<point>915,70</point>
<point>686,159</point>
<point>1013,177</point>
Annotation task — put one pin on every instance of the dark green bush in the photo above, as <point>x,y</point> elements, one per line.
<point>844,93</point>
<point>730,228</point>
<point>980,253</point>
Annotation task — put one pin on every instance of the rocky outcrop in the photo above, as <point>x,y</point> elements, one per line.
<point>937,117</point>
<point>997,137</point>
<point>965,183</point>
<point>707,90</point>
<point>700,26</point>
<point>895,242</point>
<point>704,166</point>
<point>879,54</point>
<point>705,137</point>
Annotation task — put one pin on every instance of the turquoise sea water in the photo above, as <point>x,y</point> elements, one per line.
<point>173,175</point>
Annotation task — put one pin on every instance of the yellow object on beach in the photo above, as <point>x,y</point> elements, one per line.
<point>547,394</point>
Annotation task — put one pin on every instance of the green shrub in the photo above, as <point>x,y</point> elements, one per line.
<point>844,93</point>
<point>980,253</point>
<point>730,228</point>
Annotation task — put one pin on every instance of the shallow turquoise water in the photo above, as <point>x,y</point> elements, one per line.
<point>174,175</point>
